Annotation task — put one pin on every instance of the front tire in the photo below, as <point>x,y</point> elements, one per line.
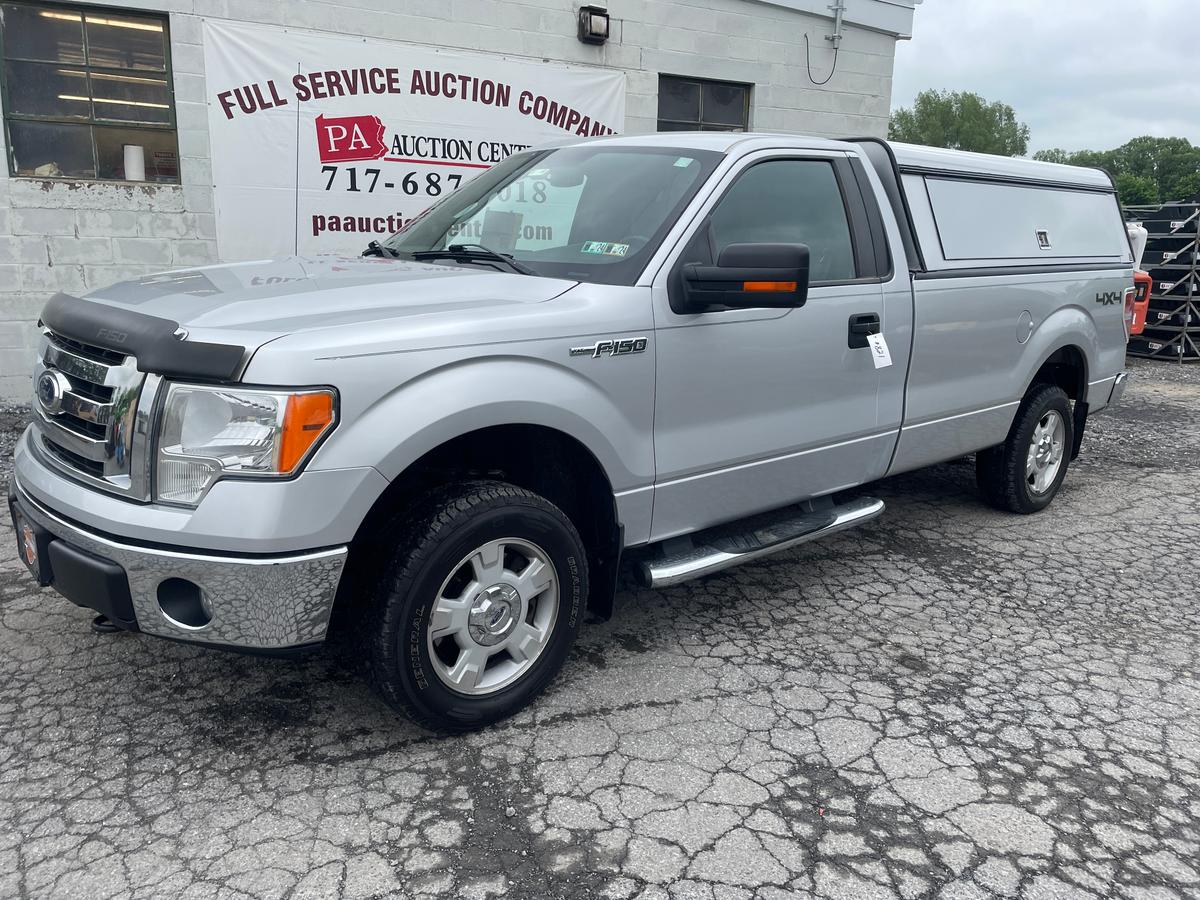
<point>477,605</point>
<point>1023,474</point>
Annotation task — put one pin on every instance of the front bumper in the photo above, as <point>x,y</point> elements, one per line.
<point>318,508</point>
<point>264,603</point>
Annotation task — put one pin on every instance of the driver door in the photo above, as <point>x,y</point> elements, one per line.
<point>759,408</point>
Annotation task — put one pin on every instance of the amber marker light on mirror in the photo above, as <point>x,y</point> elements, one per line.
<point>772,286</point>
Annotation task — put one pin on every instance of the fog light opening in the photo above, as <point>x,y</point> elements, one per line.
<point>183,603</point>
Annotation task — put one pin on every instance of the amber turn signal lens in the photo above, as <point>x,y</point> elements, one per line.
<point>308,416</point>
<point>774,286</point>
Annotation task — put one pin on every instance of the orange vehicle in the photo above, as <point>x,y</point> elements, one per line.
<point>1142,283</point>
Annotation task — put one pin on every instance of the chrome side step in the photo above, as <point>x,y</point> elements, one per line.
<point>724,547</point>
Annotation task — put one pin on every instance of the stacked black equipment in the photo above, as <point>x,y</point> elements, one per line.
<point>1173,260</point>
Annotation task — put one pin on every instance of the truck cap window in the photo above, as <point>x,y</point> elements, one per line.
<point>585,213</point>
<point>989,222</point>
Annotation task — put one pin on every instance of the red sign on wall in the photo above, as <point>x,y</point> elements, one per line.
<point>349,138</point>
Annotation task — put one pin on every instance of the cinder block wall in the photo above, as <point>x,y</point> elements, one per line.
<point>75,237</point>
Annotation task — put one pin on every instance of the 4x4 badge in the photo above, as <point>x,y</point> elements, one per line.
<point>612,347</point>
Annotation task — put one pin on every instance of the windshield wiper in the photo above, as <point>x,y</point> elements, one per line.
<point>473,253</point>
<point>377,249</point>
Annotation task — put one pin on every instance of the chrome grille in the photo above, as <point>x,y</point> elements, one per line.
<point>88,351</point>
<point>73,460</point>
<point>97,427</point>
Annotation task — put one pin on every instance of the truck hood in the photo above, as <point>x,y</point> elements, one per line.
<point>251,303</point>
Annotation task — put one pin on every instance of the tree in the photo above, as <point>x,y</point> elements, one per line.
<point>1135,190</point>
<point>1062,157</point>
<point>1187,187</point>
<point>960,120</point>
<point>1145,169</point>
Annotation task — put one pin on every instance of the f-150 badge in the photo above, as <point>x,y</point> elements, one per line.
<point>612,347</point>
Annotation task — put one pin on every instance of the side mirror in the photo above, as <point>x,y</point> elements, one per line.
<point>749,276</point>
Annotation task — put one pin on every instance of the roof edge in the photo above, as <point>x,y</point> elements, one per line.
<point>963,162</point>
<point>894,17</point>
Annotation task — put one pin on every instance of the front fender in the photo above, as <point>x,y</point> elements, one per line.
<point>607,408</point>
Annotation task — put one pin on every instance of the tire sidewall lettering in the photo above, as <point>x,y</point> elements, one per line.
<point>576,592</point>
<point>416,639</point>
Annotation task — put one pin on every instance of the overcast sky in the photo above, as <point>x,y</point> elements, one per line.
<point>1082,74</point>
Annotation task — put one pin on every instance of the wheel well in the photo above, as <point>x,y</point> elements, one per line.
<point>1067,368</point>
<point>543,460</point>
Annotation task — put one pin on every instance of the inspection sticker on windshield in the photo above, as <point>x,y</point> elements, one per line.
<point>879,351</point>
<point>604,248</point>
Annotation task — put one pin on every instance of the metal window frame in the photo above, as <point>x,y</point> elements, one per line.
<point>91,122</point>
<point>700,123</point>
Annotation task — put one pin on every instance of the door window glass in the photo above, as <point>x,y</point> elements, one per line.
<point>789,201</point>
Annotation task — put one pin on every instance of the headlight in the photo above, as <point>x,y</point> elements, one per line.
<point>209,433</point>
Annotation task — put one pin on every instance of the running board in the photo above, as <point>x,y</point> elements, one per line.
<point>724,547</point>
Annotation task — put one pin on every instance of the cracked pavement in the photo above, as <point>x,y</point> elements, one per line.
<point>949,702</point>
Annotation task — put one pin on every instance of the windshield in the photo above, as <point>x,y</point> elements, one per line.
<point>591,213</point>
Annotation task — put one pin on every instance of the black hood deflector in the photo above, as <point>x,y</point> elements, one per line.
<point>155,342</point>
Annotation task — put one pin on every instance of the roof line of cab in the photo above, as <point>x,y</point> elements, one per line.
<point>908,157</point>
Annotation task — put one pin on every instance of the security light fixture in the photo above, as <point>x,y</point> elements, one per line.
<point>593,24</point>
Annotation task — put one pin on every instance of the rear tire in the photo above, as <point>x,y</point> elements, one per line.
<point>476,606</point>
<point>1024,474</point>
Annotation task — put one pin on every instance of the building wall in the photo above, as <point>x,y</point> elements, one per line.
<point>77,236</point>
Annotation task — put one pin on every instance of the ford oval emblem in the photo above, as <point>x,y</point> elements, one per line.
<point>52,386</point>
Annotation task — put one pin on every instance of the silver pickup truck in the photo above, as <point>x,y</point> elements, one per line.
<point>678,349</point>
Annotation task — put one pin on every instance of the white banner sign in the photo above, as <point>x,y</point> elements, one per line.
<point>322,143</point>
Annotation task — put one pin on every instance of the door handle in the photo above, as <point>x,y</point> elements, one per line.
<point>860,328</point>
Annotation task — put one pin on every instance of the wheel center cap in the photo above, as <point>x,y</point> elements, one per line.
<point>494,614</point>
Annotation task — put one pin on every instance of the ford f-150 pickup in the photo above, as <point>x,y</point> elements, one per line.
<point>680,350</point>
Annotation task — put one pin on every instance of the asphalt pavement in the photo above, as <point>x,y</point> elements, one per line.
<point>949,702</point>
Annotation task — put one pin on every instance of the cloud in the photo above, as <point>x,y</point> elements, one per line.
<point>1083,74</point>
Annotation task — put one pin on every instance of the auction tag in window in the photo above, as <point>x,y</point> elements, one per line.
<point>879,351</point>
